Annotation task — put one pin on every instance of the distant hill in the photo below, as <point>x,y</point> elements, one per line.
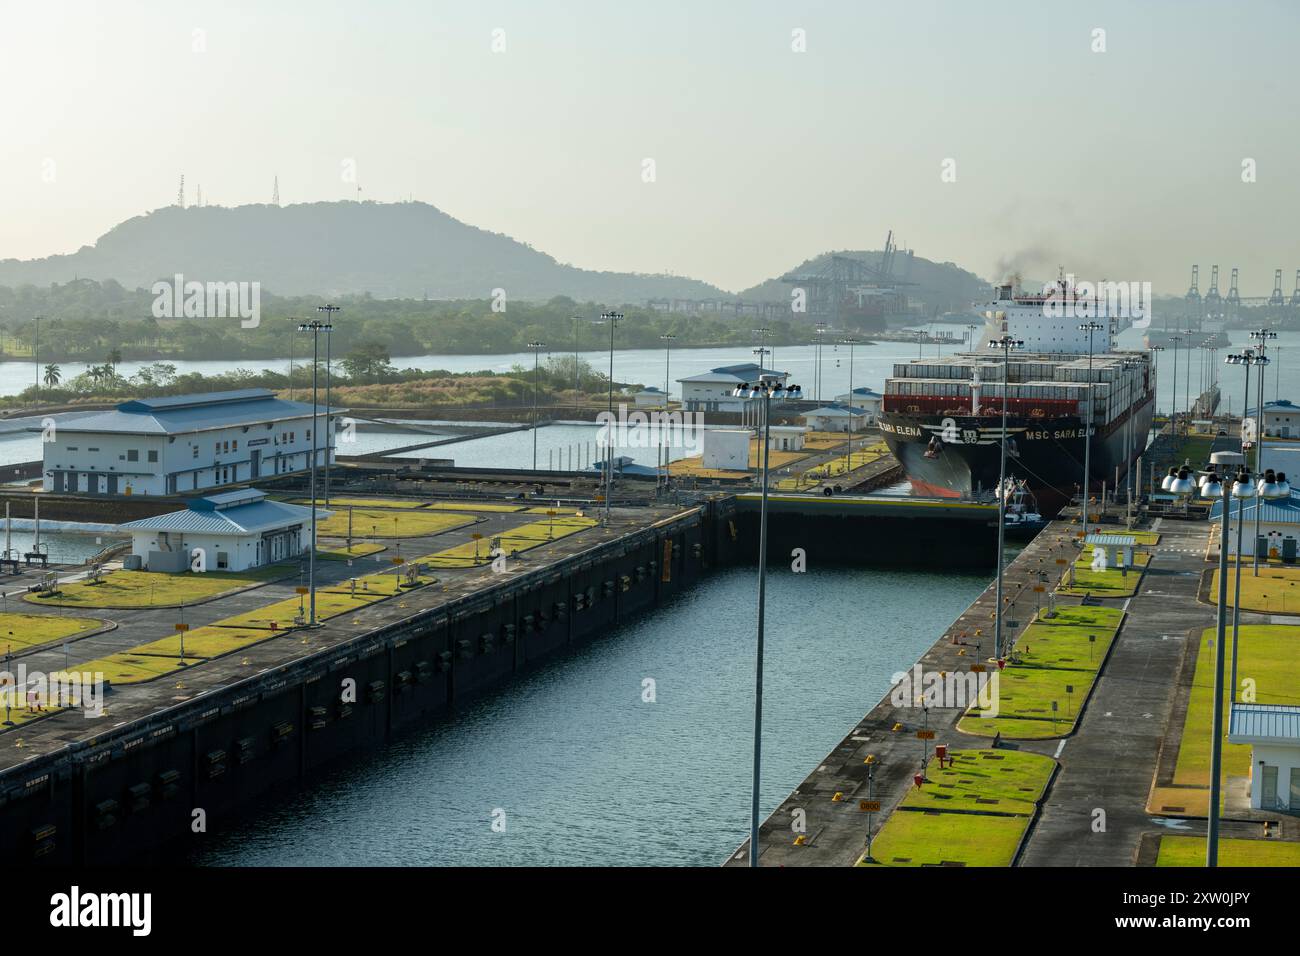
<point>409,250</point>
<point>941,286</point>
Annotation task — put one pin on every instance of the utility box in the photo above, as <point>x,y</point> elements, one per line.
<point>726,449</point>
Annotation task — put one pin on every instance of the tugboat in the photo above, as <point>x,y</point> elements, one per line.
<point>1020,519</point>
<point>942,417</point>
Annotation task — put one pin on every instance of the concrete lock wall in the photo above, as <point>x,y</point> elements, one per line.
<point>130,794</point>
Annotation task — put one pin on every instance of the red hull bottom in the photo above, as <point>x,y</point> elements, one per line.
<point>925,489</point>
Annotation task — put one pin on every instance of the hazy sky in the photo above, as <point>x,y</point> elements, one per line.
<point>1123,164</point>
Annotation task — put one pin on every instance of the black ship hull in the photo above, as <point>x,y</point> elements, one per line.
<point>959,457</point>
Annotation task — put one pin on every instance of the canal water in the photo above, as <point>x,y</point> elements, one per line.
<point>584,772</point>
<point>871,363</point>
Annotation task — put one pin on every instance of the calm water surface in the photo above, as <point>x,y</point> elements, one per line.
<point>588,774</point>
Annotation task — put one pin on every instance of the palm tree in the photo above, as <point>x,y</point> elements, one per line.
<point>114,359</point>
<point>96,373</point>
<point>53,375</point>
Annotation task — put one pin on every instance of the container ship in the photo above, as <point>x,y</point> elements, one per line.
<point>942,418</point>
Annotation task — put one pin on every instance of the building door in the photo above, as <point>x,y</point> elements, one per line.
<point>1295,790</point>
<point>1261,546</point>
<point>1268,787</point>
<point>1289,550</point>
<point>112,484</point>
<point>255,463</point>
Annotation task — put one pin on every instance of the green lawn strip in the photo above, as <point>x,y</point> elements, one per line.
<point>330,602</point>
<point>1275,590</point>
<point>1063,646</point>
<point>915,838</point>
<point>1055,653</point>
<point>22,632</point>
<point>391,523</point>
<point>486,506</point>
<point>129,667</point>
<point>924,830</point>
<point>1190,851</point>
<point>520,539</point>
<point>986,781</point>
<point>133,589</point>
<point>1109,583</point>
<point>1012,728</point>
<point>1269,654</point>
<point>203,642</point>
<point>362,503</point>
<point>1079,615</point>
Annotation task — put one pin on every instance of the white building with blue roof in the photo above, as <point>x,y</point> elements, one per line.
<point>228,531</point>
<point>1273,732</point>
<point>711,391</point>
<point>185,443</point>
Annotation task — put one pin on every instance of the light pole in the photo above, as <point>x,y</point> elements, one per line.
<point>667,339</point>
<point>1091,328</point>
<point>767,388</point>
<point>576,319</point>
<point>315,327</point>
<point>1187,388</point>
<point>36,354</point>
<point>970,336</point>
<point>1006,343</point>
<point>1262,336</point>
<point>536,348</point>
<point>329,311</point>
<point>1213,488</point>
<point>1155,351</point>
<point>1131,366</point>
<point>763,336</point>
<point>850,342</point>
<point>293,324</point>
<point>1246,358</point>
<point>1173,414</point>
<point>820,332</point>
<point>611,319</point>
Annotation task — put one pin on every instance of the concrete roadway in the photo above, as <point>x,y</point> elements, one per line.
<point>1109,763</point>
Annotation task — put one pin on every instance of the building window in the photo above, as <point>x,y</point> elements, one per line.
<point>153,455</point>
<point>195,449</point>
<point>132,454</point>
<point>234,445</point>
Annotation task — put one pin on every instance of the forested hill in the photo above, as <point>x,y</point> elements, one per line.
<point>940,286</point>
<point>409,250</point>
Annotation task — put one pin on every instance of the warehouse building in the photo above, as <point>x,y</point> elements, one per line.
<point>184,443</point>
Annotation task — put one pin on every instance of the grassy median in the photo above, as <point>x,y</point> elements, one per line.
<point>135,589</point>
<point>973,813</point>
<point>1057,660</point>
